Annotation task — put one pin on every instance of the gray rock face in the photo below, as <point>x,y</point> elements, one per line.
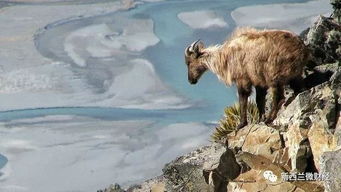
<point>331,166</point>
<point>311,119</point>
<point>112,188</point>
<point>153,185</point>
<point>186,172</point>
<point>324,39</point>
<point>337,10</point>
<point>227,170</point>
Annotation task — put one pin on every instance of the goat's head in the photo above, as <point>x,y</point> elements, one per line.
<point>194,58</point>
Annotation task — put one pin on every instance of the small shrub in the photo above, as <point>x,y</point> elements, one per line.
<point>231,120</point>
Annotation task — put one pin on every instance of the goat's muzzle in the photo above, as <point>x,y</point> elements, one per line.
<point>192,81</point>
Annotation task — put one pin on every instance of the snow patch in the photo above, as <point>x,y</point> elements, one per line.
<point>202,19</point>
<point>295,16</point>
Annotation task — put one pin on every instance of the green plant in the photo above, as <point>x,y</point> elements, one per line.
<point>231,120</point>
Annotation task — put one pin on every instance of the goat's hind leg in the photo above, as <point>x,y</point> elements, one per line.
<point>297,85</point>
<point>277,101</point>
<point>260,101</point>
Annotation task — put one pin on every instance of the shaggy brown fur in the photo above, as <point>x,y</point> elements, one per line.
<point>250,57</point>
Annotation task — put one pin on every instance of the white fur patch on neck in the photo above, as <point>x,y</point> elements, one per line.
<point>228,78</point>
<point>216,64</point>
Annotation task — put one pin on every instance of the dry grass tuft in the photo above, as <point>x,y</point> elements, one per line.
<point>231,120</point>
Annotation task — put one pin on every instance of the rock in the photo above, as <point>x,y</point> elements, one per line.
<point>338,118</point>
<point>298,148</point>
<point>336,79</point>
<point>153,185</point>
<point>337,10</point>
<point>331,166</point>
<point>184,177</point>
<point>260,163</point>
<point>160,187</point>
<point>324,39</point>
<point>321,141</point>
<point>295,113</point>
<point>311,120</point>
<point>113,188</point>
<point>311,186</point>
<point>254,181</point>
<point>257,139</point>
<point>320,74</point>
<point>257,180</point>
<point>186,172</point>
<point>206,169</point>
<point>228,169</point>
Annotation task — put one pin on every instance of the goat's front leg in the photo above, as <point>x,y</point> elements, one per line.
<point>243,94</point>
<point>260,100</point>
<point>277,101</point>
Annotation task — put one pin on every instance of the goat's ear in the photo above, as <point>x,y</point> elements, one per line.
<point>203,54</point>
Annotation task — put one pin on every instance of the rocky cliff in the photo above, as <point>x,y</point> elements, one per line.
<point>304,142</point>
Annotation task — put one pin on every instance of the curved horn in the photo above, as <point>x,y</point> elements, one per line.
<point>187,52</point>
<point>193,46</point>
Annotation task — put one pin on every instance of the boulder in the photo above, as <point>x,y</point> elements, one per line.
<point>258,140</point>
<point>310,121</point>
<point>112,188</point>
<point>153,185</point>
<point>299,150</point>
<point>258,179</point>
<point>227,170</point>
<point>337,10</point>
<point>186,172</point>
<point>331,167</point>
<point>321,141</point>
<point>324,39</point>
<point>254,180</point>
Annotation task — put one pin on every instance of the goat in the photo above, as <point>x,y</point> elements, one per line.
<point>250,57</point>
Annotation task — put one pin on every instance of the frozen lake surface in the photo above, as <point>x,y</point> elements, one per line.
<point>95,92</point>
